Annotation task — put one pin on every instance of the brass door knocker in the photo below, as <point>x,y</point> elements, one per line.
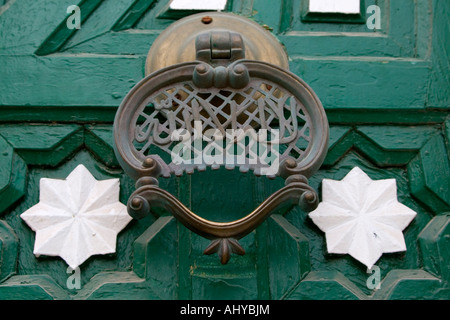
<point>261,117</point>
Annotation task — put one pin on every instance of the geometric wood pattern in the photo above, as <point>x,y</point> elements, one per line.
<point>386,95</point>
<point>107,54</point>
<point>290,246</point>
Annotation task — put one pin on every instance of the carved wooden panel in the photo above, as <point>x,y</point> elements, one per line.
<point>386,94</point>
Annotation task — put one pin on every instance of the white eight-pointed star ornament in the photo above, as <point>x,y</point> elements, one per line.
<point>362,217</point>
<point>77,217</point>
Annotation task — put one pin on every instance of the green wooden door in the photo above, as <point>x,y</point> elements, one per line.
<point>386,92</point>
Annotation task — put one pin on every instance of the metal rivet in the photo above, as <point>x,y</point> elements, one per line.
<point>148,162</point>
<point>239,69</point>
<point>291,163</point>
<point>309,196</point>
<point>201,68</point>
<point>136,202</point>
<point>207,20</point>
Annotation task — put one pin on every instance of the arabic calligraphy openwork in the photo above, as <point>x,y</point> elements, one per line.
<point>259,108</point>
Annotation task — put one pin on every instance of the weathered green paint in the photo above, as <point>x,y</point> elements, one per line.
<point>99,141</point>
<point>9,244</point>
<point>410,285</point>
<point>61,34</point>
<point>133,14</point>
<point>288,256</point>
<point>160,273</point>
<point>83,78</point>
<point>429,174</point>
<point>386,96</point>
<point>439,88</point>
<point>32,287</point>
<point>43,144</point>
<point>434,243</point>
<point>13,173</point>
<point>326,285</point>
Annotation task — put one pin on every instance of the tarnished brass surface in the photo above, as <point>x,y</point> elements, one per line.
<point>176,44</point>
<point>221,72</point>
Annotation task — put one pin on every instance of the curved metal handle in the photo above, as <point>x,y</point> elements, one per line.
<point>160,82</point>
<point>247,94</point>
<point>224,235</point>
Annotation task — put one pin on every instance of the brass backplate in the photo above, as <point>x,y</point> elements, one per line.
<point>176,44</point>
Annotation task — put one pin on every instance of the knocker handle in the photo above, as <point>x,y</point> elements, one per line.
<point>188,110</point>
<point>224,235</point>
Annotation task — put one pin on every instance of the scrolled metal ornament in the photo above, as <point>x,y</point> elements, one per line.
<point>171,110</point>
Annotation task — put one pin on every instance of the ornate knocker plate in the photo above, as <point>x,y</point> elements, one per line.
<point>221,110</point>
